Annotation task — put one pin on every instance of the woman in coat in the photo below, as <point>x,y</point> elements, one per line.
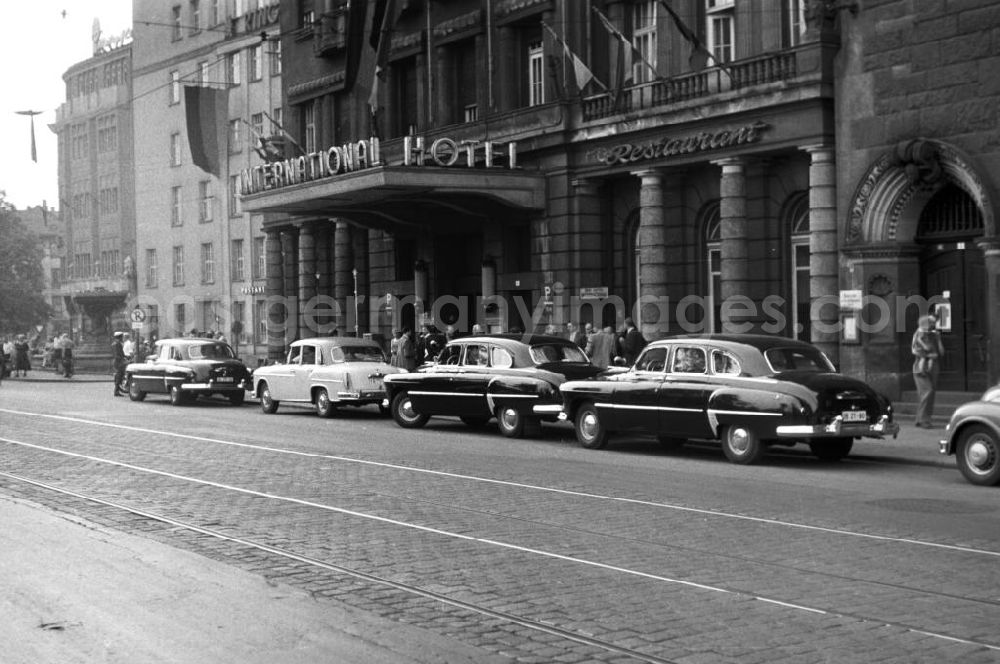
<point>22,362</point>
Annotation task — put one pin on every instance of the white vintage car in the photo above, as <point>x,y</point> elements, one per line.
<point>325,373</point>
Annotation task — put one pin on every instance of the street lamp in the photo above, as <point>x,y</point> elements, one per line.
<point>357,327</point>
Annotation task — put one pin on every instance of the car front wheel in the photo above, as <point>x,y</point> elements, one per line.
<point>741,445</point>
<point>177,396</point>
<point>590,431</point>
<point>134,393</point>
<point>831,450</point>
<point>267,404</point>
<point>978,455</point>
<point>324,407</point>
<point>403,413</point>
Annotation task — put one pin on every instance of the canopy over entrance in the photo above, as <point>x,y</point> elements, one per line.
<point>390,197</point>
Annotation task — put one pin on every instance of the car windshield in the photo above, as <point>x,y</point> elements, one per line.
<point>361,354</point>
<point>797,359</point>
<point>211,351</point>
<point>546,353</point>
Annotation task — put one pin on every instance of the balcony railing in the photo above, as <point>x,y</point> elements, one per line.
<point>738,75</point>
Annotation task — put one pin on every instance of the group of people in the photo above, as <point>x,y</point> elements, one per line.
<point>16,358</point>
<point>408,351</point>
<point>604,345</point>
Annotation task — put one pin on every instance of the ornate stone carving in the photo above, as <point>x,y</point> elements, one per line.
<point>919,158</point>
<point>880,285</point>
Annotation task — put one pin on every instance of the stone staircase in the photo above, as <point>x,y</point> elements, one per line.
<point>945,403</point>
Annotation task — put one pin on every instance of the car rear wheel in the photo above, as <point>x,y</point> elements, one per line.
<point>134,393</point>
<point>267,404</point>
<point>590,431</point>
<point>403,413</point>
<point>741,445</point>
<point>475,422</point>
<point>978,455</point>
<point>833,449</point>
<point>237,398</point>
<point>670,443</point>
<point>324,407</point>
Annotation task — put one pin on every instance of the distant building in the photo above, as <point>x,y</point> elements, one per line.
<point>96,192</point>
<point>46,224</point>
<point>204,77</point>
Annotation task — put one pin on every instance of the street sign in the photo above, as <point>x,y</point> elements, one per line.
<point>137,326</point>
<point>137,316</point>
<point>851,300</point>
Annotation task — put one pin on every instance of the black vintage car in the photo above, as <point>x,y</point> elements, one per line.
<point>748,391</point>
<point>185,368</point>
<point>512,377</point>
<point>974,439</point>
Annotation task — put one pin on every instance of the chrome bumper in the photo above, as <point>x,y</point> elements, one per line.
<point>838,427</point>
<point>217,387</point>
<point>547,409</point>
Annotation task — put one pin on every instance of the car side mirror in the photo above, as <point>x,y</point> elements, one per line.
<point>619,361</point>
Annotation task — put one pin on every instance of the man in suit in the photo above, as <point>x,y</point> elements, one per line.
<point>118,358</point>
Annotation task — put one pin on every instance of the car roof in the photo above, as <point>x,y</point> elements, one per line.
<point>512,338</point>
<point>189,341</point>
<point>330,342</point>
<point>761,342</point>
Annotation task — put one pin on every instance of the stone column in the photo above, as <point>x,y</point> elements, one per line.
<point>823,258</point>
<point>324,283</point>
<point>343,282</point>
<point>276,314</point>
<point>359,249</point>
<point>420,293</point>
<point>651,242</point>
<point>991,249</point>
<point>290,288</point>
<point>735,246</point>
<point>307,278</point>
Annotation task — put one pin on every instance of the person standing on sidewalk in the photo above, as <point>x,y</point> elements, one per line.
<point>927,353</point>
<point>119,362</point>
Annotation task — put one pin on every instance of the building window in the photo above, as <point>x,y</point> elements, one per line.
<point>404,96</point>
<point>176,218</point>
<point>79,141</point>
<point>234,195</point>
<point>178,265</point>
<point>536,74</point>
<point>152,271</point>
<point>307,14</point>
<point>175,149</point>
<point>175,22</point>
<point>796,218</point>
<point>203,73</point>
<point>208,263</point>
<point>278,116</point>
<point>644,40</point>
<point>233,68</point>
<point>309,126</point>
<point>793,22</point>
<point>238,267</point>
<point>256,65</point>
<point>153,316</point>
<point>274,57</point>
<point>465,82</point>
<point>712,225</point>
<point>107,195</point>
<point>235,138</point>
<point>215,12</point>
<point>259,258</point>
<point>206,200</point>
<point>110,265</point>
<point>260,321</point>
<point>238,327</point>
<point>721,29</point>
<point>180,320</point>
<point>257,122</point>
<point>107,133</point>
<point>195,17</point>
<point>209,319</point>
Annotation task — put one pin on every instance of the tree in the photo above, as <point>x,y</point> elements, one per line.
<point>21,280</point>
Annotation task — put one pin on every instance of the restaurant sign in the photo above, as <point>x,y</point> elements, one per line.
<point>367,153</point>
<point>669,146</point>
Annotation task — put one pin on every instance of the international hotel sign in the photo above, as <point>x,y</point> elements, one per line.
<point>367,153</point>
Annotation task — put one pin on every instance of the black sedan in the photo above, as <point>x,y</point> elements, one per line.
<point>185,368</point>
<point>749,391</point>
<point>974,439</point>
<point>514,378</point>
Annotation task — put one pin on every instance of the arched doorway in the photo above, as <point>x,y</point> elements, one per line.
<point>952,264</point>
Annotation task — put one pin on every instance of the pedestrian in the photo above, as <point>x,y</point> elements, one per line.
<point>67,346</point>
<point>407,351</point>
<point>128,346</point>
<point>47,350</point>
<point>22,360</point>
<point>600,347</point>
<point>631,342</point>
<point>394,347</point>
<point>927,352</point>
<point>118,358</point>
<point>576,335</point>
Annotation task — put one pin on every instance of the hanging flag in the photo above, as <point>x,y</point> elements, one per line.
<point>628,50</point>
<point>699,54</point>
<point>285,136</point>
<point>580,71</point>
<point>205,111</point>
<point>32,114</point>
<point>388,21</point>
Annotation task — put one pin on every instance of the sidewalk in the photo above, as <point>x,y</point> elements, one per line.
<point>50,376</point>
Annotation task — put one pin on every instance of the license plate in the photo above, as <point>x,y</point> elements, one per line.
<point>855,416</point>
<point>225,379</point>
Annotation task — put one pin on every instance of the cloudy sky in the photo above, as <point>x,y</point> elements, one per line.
<point>40,43</point>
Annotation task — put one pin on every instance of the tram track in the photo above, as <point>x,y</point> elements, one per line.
<point>416,590</point>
